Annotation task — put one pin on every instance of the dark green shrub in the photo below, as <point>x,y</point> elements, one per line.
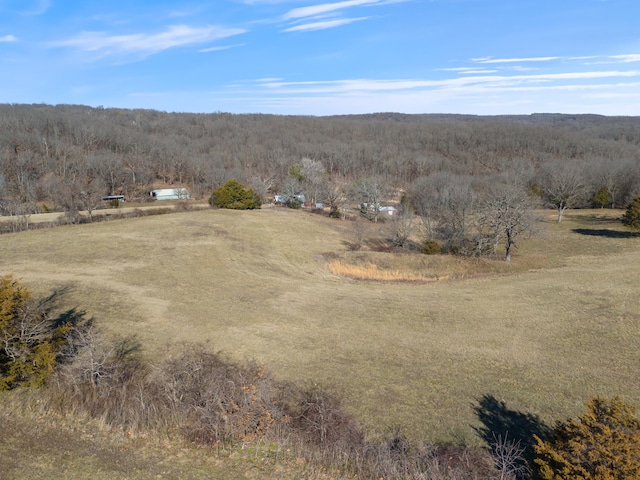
<point>602,197</point>
<point>431,247</point>
<point>631,217</point>
<point>293,202</point>
<point>235,196</point>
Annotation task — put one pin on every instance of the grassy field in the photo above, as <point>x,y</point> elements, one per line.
<point>559,324</point>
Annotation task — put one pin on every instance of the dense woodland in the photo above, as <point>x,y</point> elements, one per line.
<point>445,168</point>
<point>45,150</point>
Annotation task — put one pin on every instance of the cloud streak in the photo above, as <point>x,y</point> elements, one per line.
<point>306,27</point>
<point>500,81</point>
<point>145,43</point>
<point>315,10</point>
<point>327,15</point>
<point>8,39</point>
<point>514,60</point>
<point>586,60</point>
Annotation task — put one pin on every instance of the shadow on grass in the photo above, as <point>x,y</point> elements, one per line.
<point>500,423</point>
<point>604,232</point>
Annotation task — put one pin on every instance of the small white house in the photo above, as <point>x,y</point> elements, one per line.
<point>170,194</point>
<point>388,210</point>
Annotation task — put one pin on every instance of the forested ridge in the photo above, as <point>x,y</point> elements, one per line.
<point>48,152</point>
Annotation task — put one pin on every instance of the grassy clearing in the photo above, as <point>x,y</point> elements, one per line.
<point>556,326</point>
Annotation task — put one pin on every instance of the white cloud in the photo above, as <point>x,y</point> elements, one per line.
<point>494,82</point>
<point>514,60</point>
<point>468,70</point>
<point>571,92</point>
<point>217,49</point>
<point>314,10</point>
<point>323,25</point>
<point>635,57</point>
<point>8,39</point>
<point>145,43</point>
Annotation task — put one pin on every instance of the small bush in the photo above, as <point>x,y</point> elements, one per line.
<point>431,247</point>
<point>293,202</point>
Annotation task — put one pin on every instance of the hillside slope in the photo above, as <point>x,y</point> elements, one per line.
<point>256,284</point>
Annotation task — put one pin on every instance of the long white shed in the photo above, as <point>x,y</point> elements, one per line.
<point>170,194</point>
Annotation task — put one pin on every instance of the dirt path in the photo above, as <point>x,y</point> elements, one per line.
<point>53,217</point>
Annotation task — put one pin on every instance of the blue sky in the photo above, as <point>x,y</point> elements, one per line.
<point>325,57</point>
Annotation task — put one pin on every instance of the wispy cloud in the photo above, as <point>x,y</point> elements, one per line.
<point>465,94</point>
<point>146,43</point>
<point>315,10</point>
<point>306,27</point>
<point>8,39</point>
<point>220,48</point>
<point>635,57</point>
<point>585,60</point>
<point>514,60</point>
<point>550,80</point>
<point>327,15</point>
<point>468,70</point>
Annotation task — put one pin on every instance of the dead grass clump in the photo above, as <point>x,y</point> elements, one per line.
<point>104,381</point>
<point>370,271</point>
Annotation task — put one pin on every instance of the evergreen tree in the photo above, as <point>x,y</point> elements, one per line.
<point>602,444</point>
<point>235,196</point>
<point>602,197</point>
<point>30,340</point>
<point>631,218</point>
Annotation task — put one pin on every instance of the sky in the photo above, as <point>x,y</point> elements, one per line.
<point>301,57</point>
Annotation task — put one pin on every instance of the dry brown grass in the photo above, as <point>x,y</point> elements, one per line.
<point>556,326</point>
<point>41,445</point>
<point>370,271</point>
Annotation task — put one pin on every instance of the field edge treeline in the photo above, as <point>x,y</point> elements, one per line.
<point>69,156</point>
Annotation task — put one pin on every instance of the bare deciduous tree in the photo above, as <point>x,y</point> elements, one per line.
<point>563,186</point>
<point>509,214</point>
<point>401,226</point>
<point>370,193</point>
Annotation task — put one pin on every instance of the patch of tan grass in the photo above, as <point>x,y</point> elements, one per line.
<point>371,271</point>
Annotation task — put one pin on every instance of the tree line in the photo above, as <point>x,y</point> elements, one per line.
<point>65,156</point>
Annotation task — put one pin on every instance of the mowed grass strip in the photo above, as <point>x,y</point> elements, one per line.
<point>559,324</point>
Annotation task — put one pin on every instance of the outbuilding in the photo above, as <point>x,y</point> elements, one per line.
<point>170,194</point>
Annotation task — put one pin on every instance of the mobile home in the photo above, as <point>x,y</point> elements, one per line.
<point>170,194</point>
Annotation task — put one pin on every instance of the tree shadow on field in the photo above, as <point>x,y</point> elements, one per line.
<point>604,232</point>
<point>501,424</point>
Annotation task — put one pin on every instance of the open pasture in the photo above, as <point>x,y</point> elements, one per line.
<point>558,325</point>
